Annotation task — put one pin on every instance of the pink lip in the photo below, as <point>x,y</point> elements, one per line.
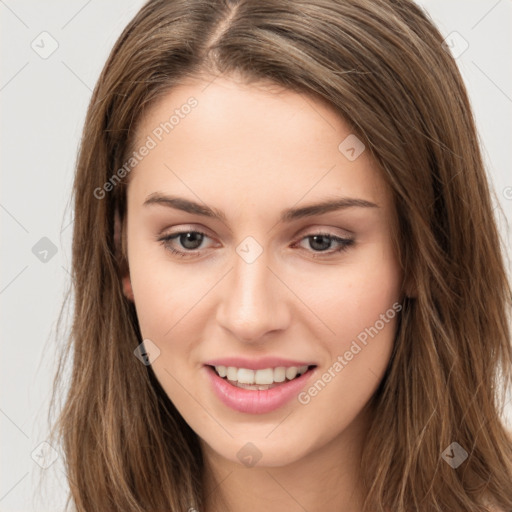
<point>257,364</point>
<point>256,401</point>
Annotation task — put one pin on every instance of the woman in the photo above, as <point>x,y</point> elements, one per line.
<point>289,290</point>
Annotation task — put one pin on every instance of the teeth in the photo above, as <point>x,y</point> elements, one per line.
<point>280,374</point>
<point>291,372</point>
<point>246,376</point>
<point>221,370</point>
<point>260,378</point>
<point>265,376</point>
<point>232,373</point>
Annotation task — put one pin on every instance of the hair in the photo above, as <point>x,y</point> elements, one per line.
<point>381,66</point>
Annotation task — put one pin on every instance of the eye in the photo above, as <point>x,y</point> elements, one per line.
<point>322,242</point>
<point>189,240</point>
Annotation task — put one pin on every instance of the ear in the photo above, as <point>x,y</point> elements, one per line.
<point>122,256</point>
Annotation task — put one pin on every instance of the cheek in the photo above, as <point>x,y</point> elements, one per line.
<point>356,296</point>
<point>362,310</point>
<point>364,319</point>
<point>165,314</point>
<point>168,300</point>
<point>164,291</point>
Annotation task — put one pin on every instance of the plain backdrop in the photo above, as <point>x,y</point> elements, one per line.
<point>52,53</point>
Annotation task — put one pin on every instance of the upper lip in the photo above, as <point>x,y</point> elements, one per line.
<point>257,364</point>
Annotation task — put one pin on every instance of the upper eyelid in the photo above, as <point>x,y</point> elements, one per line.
<point>306,231</point>
<point>297,238</point>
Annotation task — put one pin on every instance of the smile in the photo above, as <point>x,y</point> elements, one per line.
<point>263,379</point>
<point>257,391</point>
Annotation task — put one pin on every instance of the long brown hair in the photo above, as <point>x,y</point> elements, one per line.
<point>381,65</point>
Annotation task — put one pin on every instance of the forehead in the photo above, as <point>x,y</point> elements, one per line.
<point>256,140</point>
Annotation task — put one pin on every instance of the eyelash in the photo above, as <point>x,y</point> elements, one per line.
<point>345,243</point>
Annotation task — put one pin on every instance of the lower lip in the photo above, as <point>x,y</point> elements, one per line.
<point>256,401</point>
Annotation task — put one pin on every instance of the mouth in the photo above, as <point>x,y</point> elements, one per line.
<point>262,379</point>
<point>258,391</point>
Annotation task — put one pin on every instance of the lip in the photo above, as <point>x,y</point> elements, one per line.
<point>256,401</point>
<point>257,364</point>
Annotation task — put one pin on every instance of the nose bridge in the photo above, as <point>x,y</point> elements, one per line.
<point>251,304</point>
<point>251,282</point>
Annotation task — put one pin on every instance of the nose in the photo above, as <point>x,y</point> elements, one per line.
<point>253,301</point>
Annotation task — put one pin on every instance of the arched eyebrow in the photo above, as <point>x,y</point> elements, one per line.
<point>288,215</point>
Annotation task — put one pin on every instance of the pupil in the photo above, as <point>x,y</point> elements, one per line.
<point>322,247</point>
<point>192,238</point>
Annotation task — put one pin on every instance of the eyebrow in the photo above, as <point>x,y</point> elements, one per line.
<point>288,215</point>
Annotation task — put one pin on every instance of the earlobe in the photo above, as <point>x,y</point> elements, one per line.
<point>127,288</point>
<point>121,256</point>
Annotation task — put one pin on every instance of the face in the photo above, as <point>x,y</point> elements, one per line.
<point>238,277</point>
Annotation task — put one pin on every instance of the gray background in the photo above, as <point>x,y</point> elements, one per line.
<point>43,102</point>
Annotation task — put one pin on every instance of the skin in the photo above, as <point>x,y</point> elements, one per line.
<point>252,151</point>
